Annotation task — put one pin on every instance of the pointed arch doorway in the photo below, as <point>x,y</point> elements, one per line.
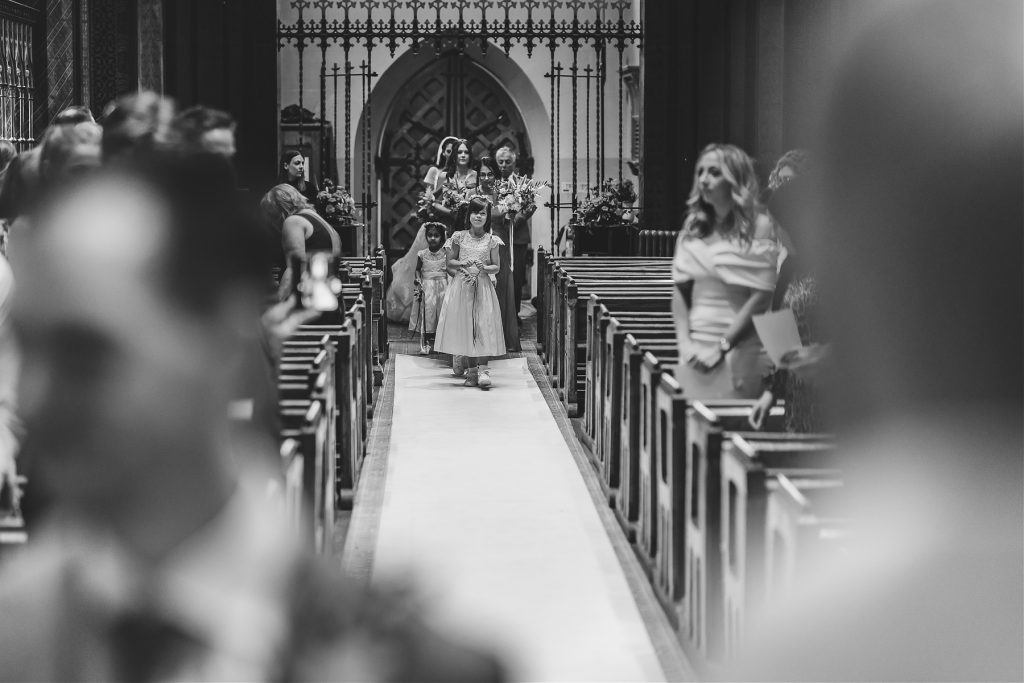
<point>453,95</point>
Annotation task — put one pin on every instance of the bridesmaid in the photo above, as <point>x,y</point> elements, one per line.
<point>459,169</point>
<point>459,174</point>
<point>488,174</point>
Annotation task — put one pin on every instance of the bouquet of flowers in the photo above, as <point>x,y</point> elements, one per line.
<point>449,196</point>
<point>425,206</point>
<point>336,203</point>
<point>607,204</point>
<point>519,191</point>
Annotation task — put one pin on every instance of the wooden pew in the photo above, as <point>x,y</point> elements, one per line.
<point>308,426</point>
<point>805,523</point>
<point>569,327</point>
<point>310,374</point>
<point>708,424</point>
<point>600,314</point>
<point>749,463</point>
<point>553,274</point>
<point>293,471</point>
<point>636,501</point>
<point>13,532</point>
<point>351,422</point>
<point>676,494</point>
<point>616,384</point>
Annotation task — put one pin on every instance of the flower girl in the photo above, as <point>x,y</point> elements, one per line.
<point>431,285</point>
<point>470,322</point>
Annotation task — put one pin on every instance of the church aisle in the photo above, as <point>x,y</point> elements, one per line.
<point>485,506</point>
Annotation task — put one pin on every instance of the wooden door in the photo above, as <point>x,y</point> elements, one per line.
<point>451,96</point>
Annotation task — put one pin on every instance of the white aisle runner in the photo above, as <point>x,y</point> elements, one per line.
<point>486,508</point>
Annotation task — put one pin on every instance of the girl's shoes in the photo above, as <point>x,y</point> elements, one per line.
<point>458,366</point>
<point>425,350</point>
<point>484,380</point>
<point>472,378</point>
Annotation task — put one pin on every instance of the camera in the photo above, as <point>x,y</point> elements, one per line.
<point>317,285</point>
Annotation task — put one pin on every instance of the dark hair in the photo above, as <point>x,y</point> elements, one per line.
<point>476,205</point>
<point>211,244</point>
<point>138,124</point>
<point>490,163</point>
<point>796,159</point>
<point>191,124</point>
<point>452,164</point>
<point>433,225</point>
<point>74,114</point>
<point>286,159</point>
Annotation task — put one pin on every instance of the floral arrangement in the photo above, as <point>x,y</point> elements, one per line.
<point>518,191</point>
<point>607,204</point>
<point>449,196</point>
<point>335,202</point>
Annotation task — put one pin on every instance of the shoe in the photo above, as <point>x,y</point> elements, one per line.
<point>458,366</point>
<point>425,350</point>
<point>472,379</point>
<point>484,380</point>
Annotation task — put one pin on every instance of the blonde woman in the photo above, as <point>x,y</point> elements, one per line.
<point>301,227</point>
<point>725,269</point>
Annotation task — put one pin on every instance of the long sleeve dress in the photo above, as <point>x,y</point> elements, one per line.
<point>504,285</point>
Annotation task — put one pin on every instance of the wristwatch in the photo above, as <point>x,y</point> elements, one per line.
<point>724,345</point>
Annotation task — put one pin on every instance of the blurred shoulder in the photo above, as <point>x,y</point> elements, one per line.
<point>32,597</point>
<point>764,227</point>
<point>297,222</point>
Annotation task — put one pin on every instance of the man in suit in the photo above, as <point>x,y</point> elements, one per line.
<point>506,159</point>
<point>162,557</point>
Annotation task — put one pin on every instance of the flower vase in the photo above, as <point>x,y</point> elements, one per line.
<point>348,231</point>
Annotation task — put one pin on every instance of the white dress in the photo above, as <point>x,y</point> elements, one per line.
<point>403,274</point>
<point>723,272</point>
<point>434,278</point>
<point>470,322</point>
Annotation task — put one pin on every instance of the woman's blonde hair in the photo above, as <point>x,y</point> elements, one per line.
<point>282,201</point>
<point>738,171</point>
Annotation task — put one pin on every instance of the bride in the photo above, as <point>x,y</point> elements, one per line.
<point>400,292</point>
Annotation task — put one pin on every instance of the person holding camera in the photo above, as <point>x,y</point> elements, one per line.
<point>302,230</point>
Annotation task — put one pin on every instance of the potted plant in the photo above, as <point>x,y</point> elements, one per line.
<point>601,219</point>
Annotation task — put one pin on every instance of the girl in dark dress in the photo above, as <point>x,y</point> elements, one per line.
<point>487,174</point>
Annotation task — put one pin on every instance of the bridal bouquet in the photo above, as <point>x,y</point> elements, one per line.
<point>519,191</point>
<point>337,203</point>
<point>449,196</point>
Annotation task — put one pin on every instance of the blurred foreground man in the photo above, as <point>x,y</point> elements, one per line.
<point>162,558</point>
<point>922,160</point>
